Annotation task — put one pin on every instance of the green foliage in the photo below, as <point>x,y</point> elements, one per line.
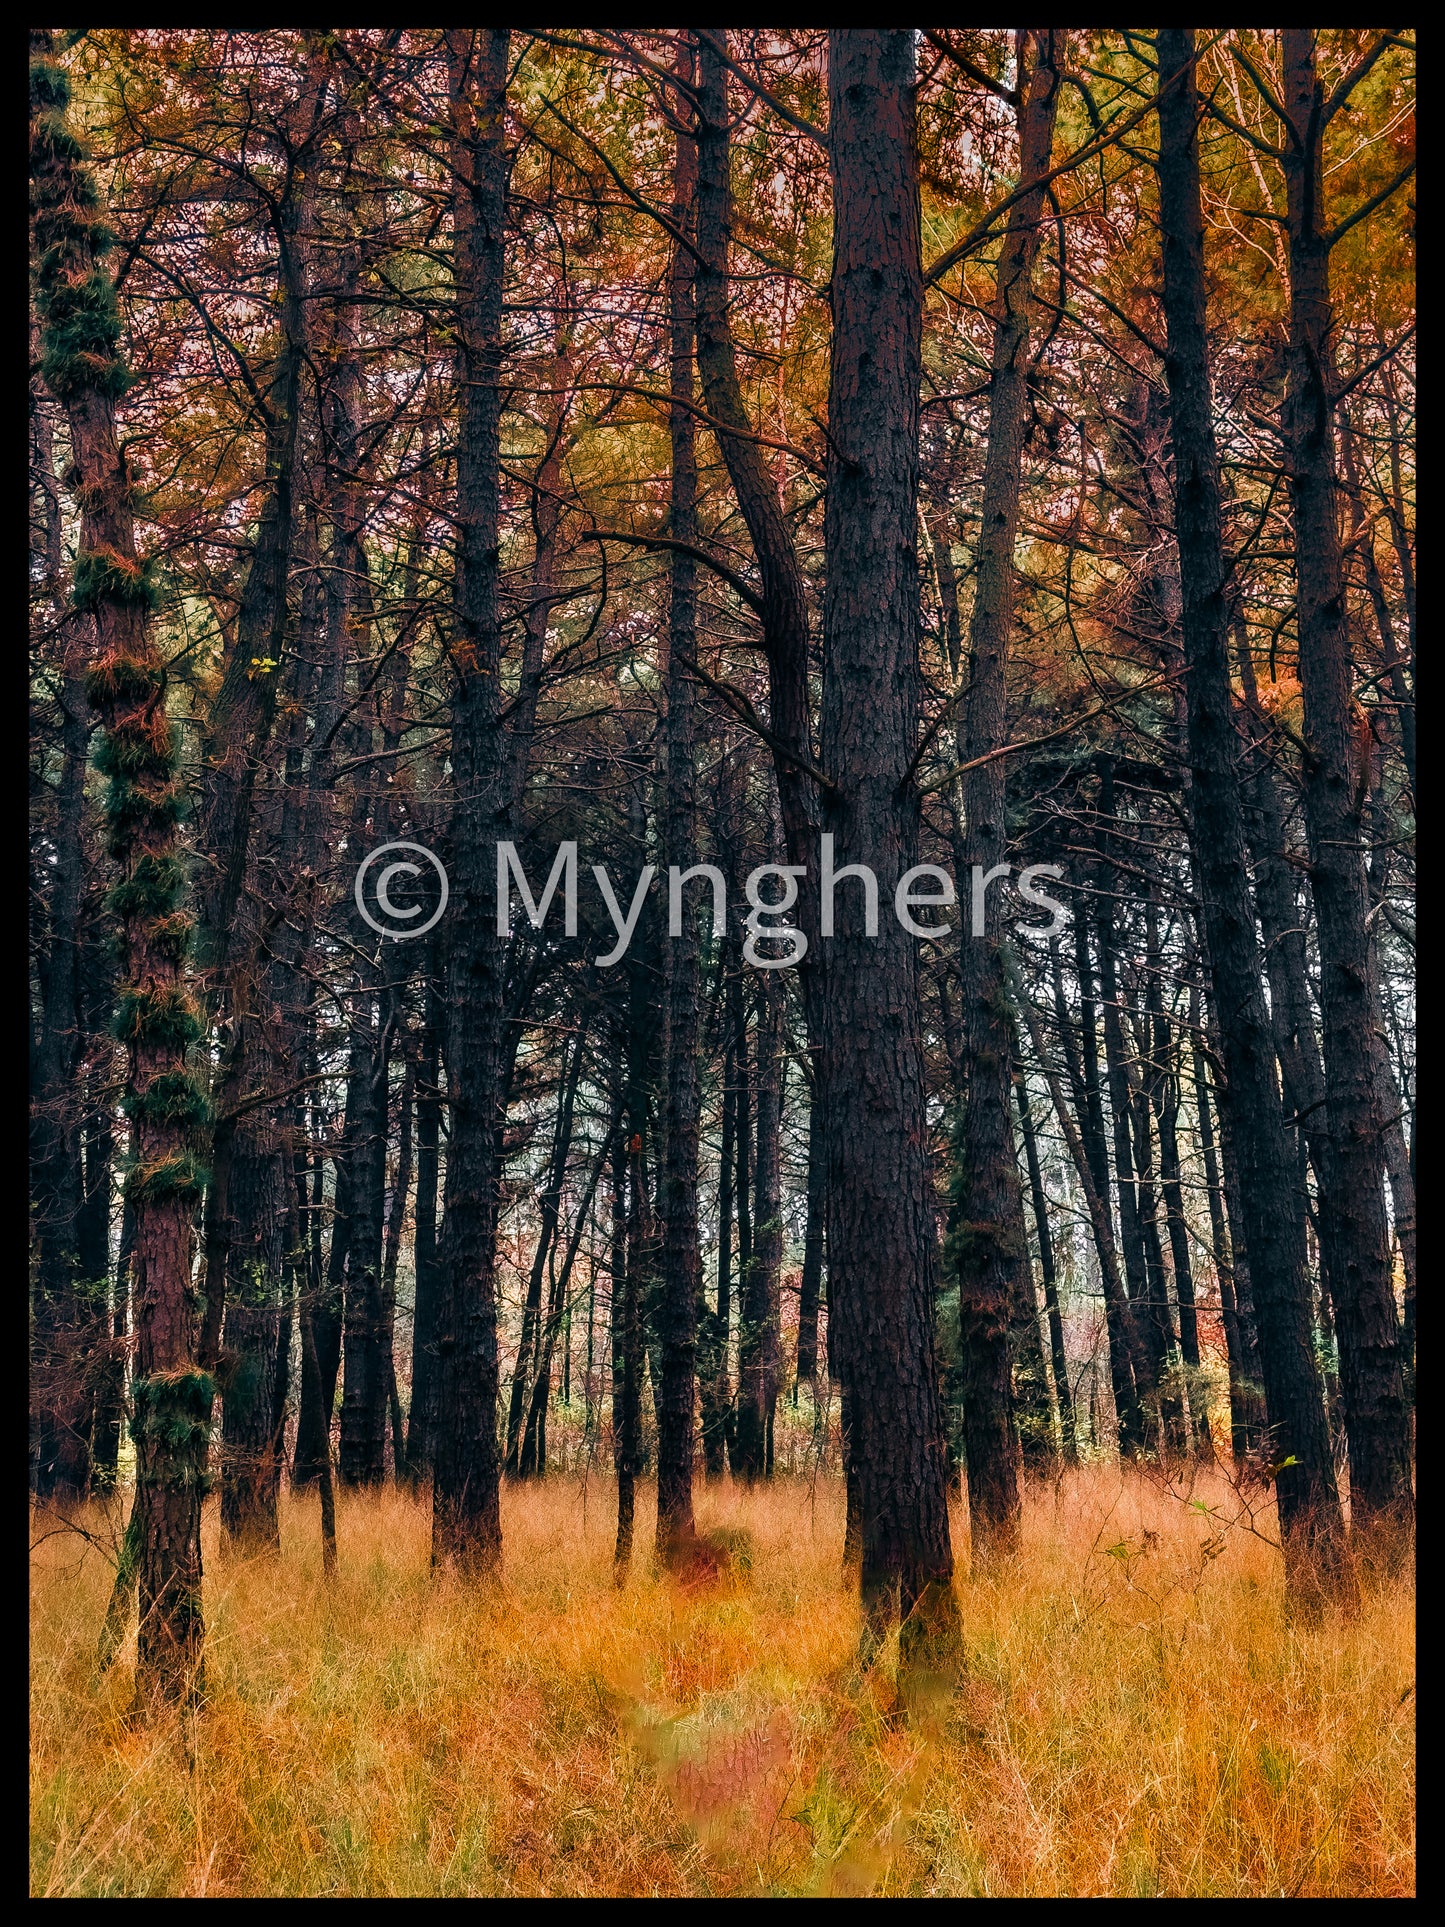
<point>170,937</point>
<point>138,753</point>
<point>82,338</point>
<point>177,1176</point>
<point>49,87</point>
<point>103,576</point>
<point>165,1017</point>
<point>128,808</point>
<point>152,889</point>
<point>174,1097</point>
<point>119,678</point>
<point>74,294</point>
<point>171,1426</point>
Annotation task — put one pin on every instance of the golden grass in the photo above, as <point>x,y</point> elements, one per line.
<point>1137,1720</point>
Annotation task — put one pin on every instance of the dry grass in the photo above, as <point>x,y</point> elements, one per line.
<point>1136,1721</point>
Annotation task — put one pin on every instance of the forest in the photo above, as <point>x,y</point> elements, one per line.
<point>722,772</point>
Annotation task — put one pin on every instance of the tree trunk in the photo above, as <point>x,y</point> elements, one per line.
<point>1353,1223</point>
<point>1062,1388</point>
<point>1310,1521</point>
<point>758,1321</point>
<point>987,1244</point>
<point>681,1266</point>
<point>1082,1063</point>
<point>811,1289</point>
<point>1119,1320</point>
<point>1243,1395</point>
<point>466,1519</point>
<point>254,1244</point>
<point>68,1319</point>
<point>421,1419</point>
<point>157,1019</point>
<point>880,1227</point>
<point>716,1329</point>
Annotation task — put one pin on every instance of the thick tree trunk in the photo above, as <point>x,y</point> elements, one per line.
<point>1316,1564</point>
<point>157,1019</point>
<point>880,1197</point>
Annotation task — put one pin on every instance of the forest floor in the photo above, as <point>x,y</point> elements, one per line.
<point>1136,1718</point>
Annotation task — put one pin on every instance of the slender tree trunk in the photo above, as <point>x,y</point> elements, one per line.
<point>534,1442</point>
<point>1146,1352</point>
<point>743,1190</point>
<point>255,1247</point>
<point>1082,1062</point>
<point>1165,1096</point>
<point>1243,1395</point>
<point>681,1266</point>
<point>529,1353</point>
<point>758,1320</point>
<point>1311,1528</point>
<point>1062,1388</point>
<point>1396,663</point>
<point>1353,1221</point>
<point>421,1420</point>
<point>364,1384</point>
<point>987,1245</point>
<point>627,1415</point>
<point>784,611</point>
<point>811,1289</point>
<point>466,1519</point>
<point>1118,1315</point>
<point>716,1392</point>
<point>391,1258</point>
